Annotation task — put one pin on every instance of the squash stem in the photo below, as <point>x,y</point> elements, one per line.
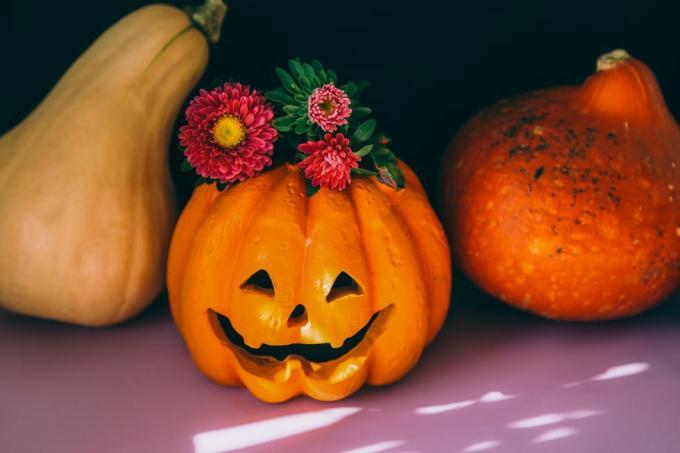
<point>208,18</point>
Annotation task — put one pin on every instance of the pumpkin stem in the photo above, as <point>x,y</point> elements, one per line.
<point>208,18</point>
<point>623,88</point>
<point>612,59</point>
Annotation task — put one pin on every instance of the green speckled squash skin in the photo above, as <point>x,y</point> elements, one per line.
<point>564,202</point>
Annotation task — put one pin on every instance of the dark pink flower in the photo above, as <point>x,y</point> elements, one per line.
<point>328,107</point>
<point>229,135</point>
<point>329,161</point>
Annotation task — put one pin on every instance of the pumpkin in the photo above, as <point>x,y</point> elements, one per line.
<point>87,205</point>
<point>564,201</point>
<point>292,294</point>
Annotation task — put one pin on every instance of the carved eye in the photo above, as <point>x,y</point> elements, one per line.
<point>343,286</point>
<point>261,282</point>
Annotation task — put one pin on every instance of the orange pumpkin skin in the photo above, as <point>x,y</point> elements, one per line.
<point>390,242</point>
<point>563,202</point>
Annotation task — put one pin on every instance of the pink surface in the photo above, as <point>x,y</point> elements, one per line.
<point>495,380</point>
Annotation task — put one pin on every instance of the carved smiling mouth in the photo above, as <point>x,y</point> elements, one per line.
<point>318,352</point>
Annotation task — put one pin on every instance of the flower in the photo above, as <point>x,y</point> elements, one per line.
<point>328,107</point>
<point>329,161</point>
<point>229,135</point>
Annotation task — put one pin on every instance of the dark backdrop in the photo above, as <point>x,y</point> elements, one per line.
<point>432,63</point>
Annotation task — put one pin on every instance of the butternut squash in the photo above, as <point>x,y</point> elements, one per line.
<point>87,204</point>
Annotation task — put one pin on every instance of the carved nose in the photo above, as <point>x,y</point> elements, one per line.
<point>298,316</point>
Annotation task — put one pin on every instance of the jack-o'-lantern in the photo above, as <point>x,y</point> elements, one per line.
<point>292,294</point>
<point>326,272</point>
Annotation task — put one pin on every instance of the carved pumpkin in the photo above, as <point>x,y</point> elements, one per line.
<point>564,201</point>
<point>290,294</point>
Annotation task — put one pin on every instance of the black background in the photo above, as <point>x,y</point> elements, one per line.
<point>432,63</point>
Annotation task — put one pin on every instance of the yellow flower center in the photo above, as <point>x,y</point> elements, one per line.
<point>229,131</point>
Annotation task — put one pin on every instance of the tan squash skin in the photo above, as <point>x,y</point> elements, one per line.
<point>87,205</point>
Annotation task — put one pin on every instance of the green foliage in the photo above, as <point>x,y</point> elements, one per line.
<point>385,163</point>
<point>311,190</point>
<point>297,85</point>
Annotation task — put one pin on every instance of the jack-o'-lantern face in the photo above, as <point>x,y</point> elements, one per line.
<point>290,294</point>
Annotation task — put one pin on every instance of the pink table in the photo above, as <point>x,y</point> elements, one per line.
<point>495,380</point>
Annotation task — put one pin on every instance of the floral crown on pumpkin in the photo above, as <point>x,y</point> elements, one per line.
<point>231,131</point>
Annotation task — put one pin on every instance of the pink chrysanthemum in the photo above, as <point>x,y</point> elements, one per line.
<point>329,161</point>
<point>328,107</point>
<point>229,135</point>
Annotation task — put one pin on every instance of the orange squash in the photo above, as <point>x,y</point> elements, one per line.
<point>564,201</point>
<point>289,294</point>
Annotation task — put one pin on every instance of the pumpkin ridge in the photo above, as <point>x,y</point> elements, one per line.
<point>306,235</point>
<point>355,216</point>
<point>400,236</point>
<point>366,285</point>
<point>177,278</point>
<point>427,263</point>
<point>362,236</point>
<point>395,208</point>
<point>249,221</point>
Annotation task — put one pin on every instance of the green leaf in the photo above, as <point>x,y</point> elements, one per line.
<point>300,128</point>
<point>314,133</point>
<point>292,109</point>
<point>364,131</point>
<point>287,120</point>
<point>343,129</point>
<point>318,67</point>
<point>385,163</point>
<point>350,88</point>
<point>319,71</point>
<point>221,186</point>
<point>301,120</point>
<point>363,151</point>
<point>287,81</point>
<point>186,166</point>
<point>280,97</point>
<point>331,76</point>
<point>311,190</point>
<point>305,82</point>
<point>360,112</point>
<point>295,68</point>
<point>301,98</point>
<point>361,87</point>
<point>311,74</point>
<point>363,172</point>
<point>199,181</point>
<point>284,122</point>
